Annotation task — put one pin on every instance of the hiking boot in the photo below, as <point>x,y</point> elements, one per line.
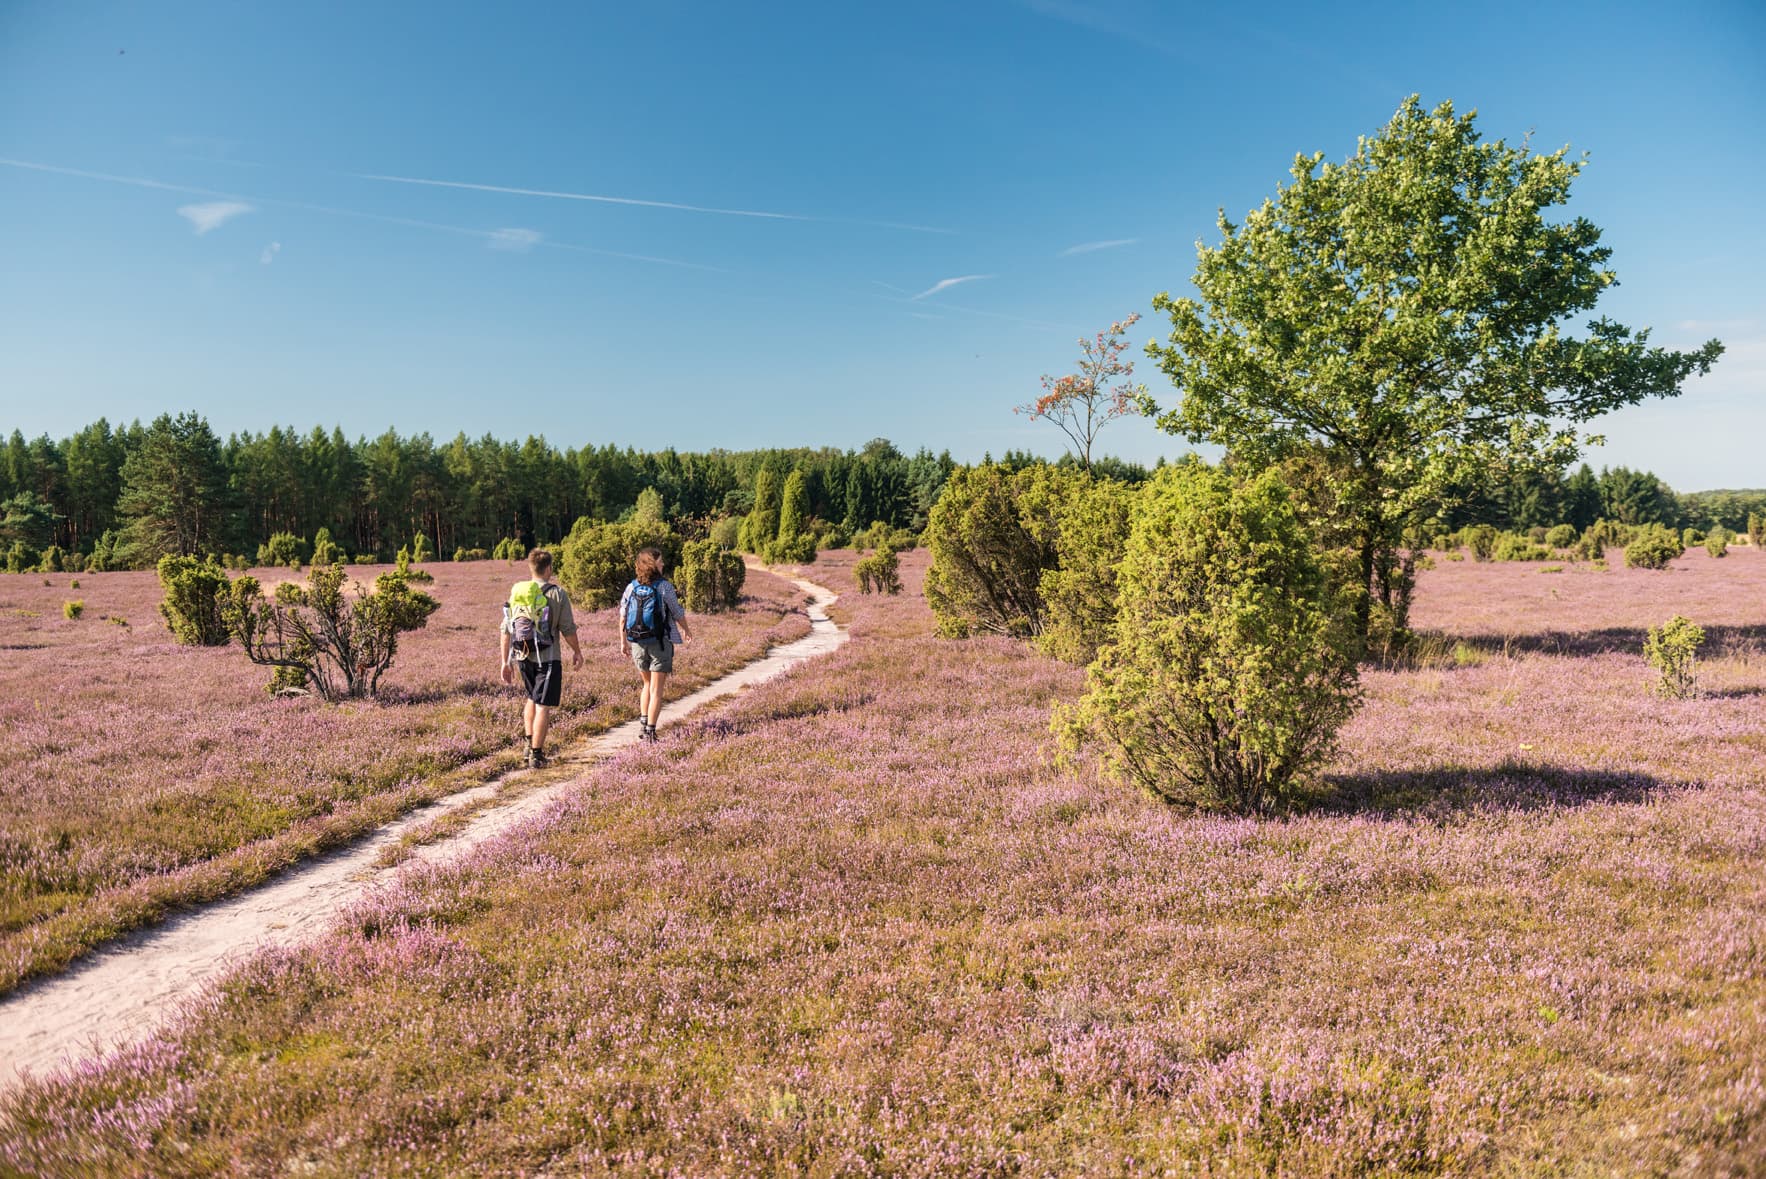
<point>536,759</point>
<point>646,731</point>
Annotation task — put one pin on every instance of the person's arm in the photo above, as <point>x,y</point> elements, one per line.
<point>508,669</point>
<point>680,613</point>
<point>619,618</point>
<point>567,627</point>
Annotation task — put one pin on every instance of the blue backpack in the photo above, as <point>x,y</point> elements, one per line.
<point>646,615</point>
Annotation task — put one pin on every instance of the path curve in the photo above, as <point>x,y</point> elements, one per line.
<point>116,995</point>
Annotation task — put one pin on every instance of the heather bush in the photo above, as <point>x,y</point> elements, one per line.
<point>321,636</point>
<point>282,549</point>
<point>195,594</point>
<point>1079,593</point>
<point>1670,649</point>
<point>1481,539</point>
<point>1652,548</point>
<point>987,557</point>
<point>73,609</point>
<point>879,573</point>
<point>1234,660</point>
<point>1561,537</point>
<point>325,550</point>
<point>595,561</point>
<point>710,577</point>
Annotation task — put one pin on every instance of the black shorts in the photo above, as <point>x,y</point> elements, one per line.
<point>544,681</point>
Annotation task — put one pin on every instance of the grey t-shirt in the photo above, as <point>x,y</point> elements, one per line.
<point>563,623</point>
<point>671,601</point>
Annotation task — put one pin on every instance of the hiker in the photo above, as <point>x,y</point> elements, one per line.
<point>537,613</point>
<point>651,622</point>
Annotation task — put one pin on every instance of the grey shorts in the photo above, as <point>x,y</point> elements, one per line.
<point>654,655</point>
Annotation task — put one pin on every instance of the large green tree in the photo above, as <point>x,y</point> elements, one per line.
<point>1407,309</point>
<point>174,490</point>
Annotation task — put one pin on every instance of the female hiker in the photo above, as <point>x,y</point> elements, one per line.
<point>651,622</point>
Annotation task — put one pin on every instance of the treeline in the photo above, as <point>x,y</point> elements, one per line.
<point>137,492</point>
<point>1519,498</point>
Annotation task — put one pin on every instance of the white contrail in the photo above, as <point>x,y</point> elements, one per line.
<point>332,211</point>
<point>944,284</point>
<point>601,198</point>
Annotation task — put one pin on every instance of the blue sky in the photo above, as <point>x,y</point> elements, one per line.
<point>216,206</point>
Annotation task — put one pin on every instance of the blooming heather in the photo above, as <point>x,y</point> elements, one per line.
<point>138,774</point>
<point>856,922</point>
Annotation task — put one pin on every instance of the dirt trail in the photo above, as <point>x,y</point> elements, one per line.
<point>116,995</point>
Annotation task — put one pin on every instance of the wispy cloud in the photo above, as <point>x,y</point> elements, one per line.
<point>333,211</point>
<point>603,198</point>
<point>1091,247</point>
<point>517,241</point>
<point>944,284</point>
<point>212,214</point>
<point>270,252</point>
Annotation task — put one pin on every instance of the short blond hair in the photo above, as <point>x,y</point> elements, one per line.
<point>540,561</point>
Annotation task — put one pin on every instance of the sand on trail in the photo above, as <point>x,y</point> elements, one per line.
<point>117,995</point>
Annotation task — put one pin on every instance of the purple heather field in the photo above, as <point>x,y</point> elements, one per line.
<point>137,774</point>
<point>860,921</point>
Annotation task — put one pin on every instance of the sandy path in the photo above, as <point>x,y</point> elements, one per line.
<point>118,994</point>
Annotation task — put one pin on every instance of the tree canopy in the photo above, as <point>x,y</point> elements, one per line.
<point>1407,310</point>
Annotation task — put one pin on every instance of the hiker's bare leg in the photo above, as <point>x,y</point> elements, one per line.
<point>654,686</point>
<point>644,697</point>
<point>527,719</point>
<point>542,720</point>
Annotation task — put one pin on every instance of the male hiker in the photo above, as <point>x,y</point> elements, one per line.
<point>537,613</point>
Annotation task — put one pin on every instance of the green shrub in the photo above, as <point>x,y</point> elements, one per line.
<point>195,597</point>
<point>421,549</point>
<point>988,558</point>
<point>1670,649</point>
<point>1234,661</point>
<point>596,560</point>
<point>1561,537</point>
<point>1652,548</point>
<point>1756,530</point>
<point>1079,593</point>
<point>1588,548</point>
<point>74,562</point>
<point>710,577</point>
<point>794,535</point>
<point>878,573</point>
<point>283,548</point>
<point>796,550</point>
<point>22,557</point>
<point>74,584</point>
<point>104,555</point>
<point>885,536</point>
<point>1511,546</point>
<point>1691,538</point>
<point>366,559</point>
<point>464,554</point>
<point>508,549</point>
<point>52,560</point>
<point>1481,539</point>
<point>725,530</point>
<point>72,610</point>
<point>325,550</point>
<point>761,525</point>
<point>649,508</point>
<point>1717,543</point>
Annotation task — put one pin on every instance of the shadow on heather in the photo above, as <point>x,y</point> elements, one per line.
<point>1511,786</point>
<point>1624,640</point>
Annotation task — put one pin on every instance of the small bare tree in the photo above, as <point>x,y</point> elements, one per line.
<point>1083,403</point>
<point>322,637</point>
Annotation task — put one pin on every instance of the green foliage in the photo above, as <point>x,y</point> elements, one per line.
<point>174,497</point>
<point>1079,593</point>
<point>1512,546</point>
<point>1481,539</point>
<point>762,523</point>
<point>22,557</point>
<point>1670,649</point>
<point>794,515</point>
<point>402,562</point>
<point>508,549</point>
<point>28,517</point>
<point>724,531</point>
<point>53,560</point>
<point>878,573</point>
<point>649,508</point>
<point>282,549</point>
<point>1652,548</point>
<point>1234,660</point>
<point>365,559</point>
<point>325,550</point>
<point>471,555</point>
<point>796,550</point>
<point>1404,308</point>
<point>989,553</point>
<point>326,636</point>
<point>72,610</point>
<point>710,577</point>
<point>884,536</point>
<point>195,594</point>
<point>421,549</point>
<point>1561,536</point>
<point>1692,538</point>
<point>596,560</point>
<point>1756,530</point>
<point>1717,543</point>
